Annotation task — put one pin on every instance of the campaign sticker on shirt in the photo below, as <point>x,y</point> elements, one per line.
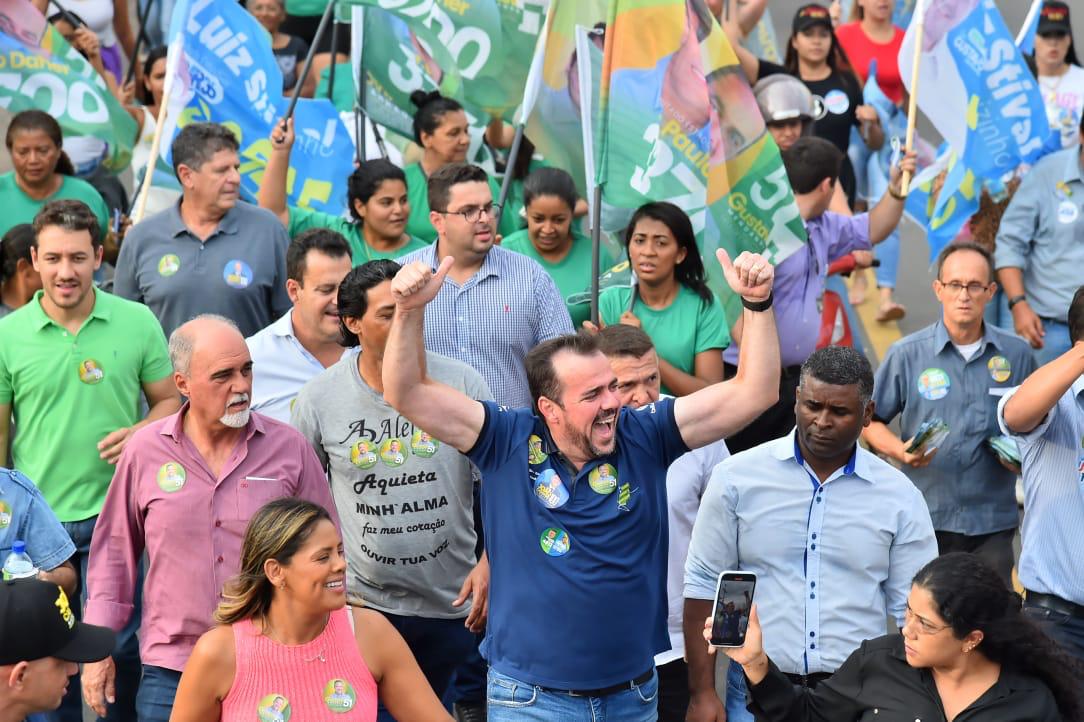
<point>837,102</point>
<point>273,708</point>
<point>5,515</point>
<point>339,696</point>
<point>392,452</point>
<point>603,479</point>
<point>999,367</point>
<point>168,265</point>
<point>1067,212</point>
<point>90,371</point>
<point>555,542</point>
<point>549,489</point>
<point>237,274</point>
<point>171,477</point>
<point>933,384</point>
<point>362,454</point>
<point>535,455</point>
<point>423,445</point>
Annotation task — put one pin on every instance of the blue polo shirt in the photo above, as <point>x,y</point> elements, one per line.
<point>578,560</point>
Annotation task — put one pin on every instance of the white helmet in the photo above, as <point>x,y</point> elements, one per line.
<point>784,97</point>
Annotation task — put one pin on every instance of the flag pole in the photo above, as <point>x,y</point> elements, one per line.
<point>1036,5</point>
<point>509,166</point>
<point>140,37</point>
<point>596,245</point>
<point>334,52</point>
<point>912,102</point>
<point>320,30</point>
<point>156,142</point>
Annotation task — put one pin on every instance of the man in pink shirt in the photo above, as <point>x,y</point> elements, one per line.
<point>184,490</point>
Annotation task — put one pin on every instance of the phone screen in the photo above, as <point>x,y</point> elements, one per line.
<point>733,598</point>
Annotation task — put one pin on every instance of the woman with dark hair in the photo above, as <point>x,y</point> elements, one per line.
<point>442,131</point>
<point>815,56</point>
<point>1061,79</point>
<point>966,652</point>
<point>287,646</point>
<point>289,50</point>
<point>377,197</point>
<point>147,89</point>
<point>42,172</point>
<point>670,299</point>
<point>18,279</point>
<point>551,236</point>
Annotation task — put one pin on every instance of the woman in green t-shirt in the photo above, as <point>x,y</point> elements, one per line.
<point>377,196</point>
<point>549,197</point>
<point>42,173</point>
<point>442,130</point>
<point>670,299</point>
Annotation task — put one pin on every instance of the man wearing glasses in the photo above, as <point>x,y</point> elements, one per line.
<point>495,305</point>
<point>956,370</point>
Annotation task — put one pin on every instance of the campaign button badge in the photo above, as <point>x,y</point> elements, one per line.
<point>555,542</point>
<point>549,489</point>
<point>171,477</point>
<point>237,274</point>
<point>1000,369</point>
<point>168,265</point>
<point>933,384</point>
<point>603,479</point>
<point>90,371</point>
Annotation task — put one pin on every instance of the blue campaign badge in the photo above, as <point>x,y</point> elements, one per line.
<point>933,384</point>
<point>237,274</point>
<point>837,102</point>
<point>549,489</point>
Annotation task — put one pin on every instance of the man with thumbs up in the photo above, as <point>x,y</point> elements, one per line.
<point>574,500</point>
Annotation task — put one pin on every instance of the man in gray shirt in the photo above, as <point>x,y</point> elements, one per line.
<point>956,370</point>
<point>209,253</point>
<point>404,498</point>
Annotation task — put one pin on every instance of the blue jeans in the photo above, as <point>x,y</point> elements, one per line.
<point>439,645</point>
<point>157,691</point>
<point>735,695</point>
<point>126,652</point>
<point>510,700</point>
<point>1066,631</point>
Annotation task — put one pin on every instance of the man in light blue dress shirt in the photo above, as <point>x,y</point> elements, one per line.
<point>1045,415</point>
<point>833,533</point>
<point>495,305</point>
<point>1040,249</point>
<point>306,339</point>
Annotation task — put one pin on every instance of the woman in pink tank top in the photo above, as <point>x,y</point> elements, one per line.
<point>286,649</point>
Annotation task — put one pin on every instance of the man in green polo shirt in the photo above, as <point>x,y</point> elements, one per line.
<point>73,362</point>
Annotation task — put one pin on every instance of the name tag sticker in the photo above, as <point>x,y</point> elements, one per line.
<point>1000,391</point>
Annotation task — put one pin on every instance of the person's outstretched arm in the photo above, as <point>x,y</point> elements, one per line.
<point>454,417</point>
<point>886,215</point>
<point>272,193</point>
<point>722,409</point>
<point>1039,393</point>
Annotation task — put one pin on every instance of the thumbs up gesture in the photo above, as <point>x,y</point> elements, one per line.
<point>417,284</point>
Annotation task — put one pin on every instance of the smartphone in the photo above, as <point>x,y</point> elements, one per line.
<point>730,615</point>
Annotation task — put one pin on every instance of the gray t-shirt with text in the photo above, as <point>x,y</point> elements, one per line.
<point>404,498</point>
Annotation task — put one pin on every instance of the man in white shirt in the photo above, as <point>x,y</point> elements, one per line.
<point>305,340</point>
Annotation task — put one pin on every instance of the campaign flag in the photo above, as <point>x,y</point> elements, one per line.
<point>762,41</point>
<point>225,72</point>
<point>943,211</point>
<point>40,70</point>
<point>554,124</point>
<point>476,51</point>
<point>1025,39</point>
<point>677,121</point>
<point>975,87</point>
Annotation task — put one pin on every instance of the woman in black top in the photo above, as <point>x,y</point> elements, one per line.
<point>815,57</point>
<point>966,653</point>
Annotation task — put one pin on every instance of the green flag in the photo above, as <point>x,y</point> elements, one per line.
<point>677,122</point>
<point>58,80</point>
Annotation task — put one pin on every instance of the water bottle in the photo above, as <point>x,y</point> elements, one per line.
<point>18,564</point>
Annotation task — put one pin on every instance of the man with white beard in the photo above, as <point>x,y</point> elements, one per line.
<point>184,490</point>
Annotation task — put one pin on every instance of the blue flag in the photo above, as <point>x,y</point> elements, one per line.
<point>944,216</point>
<point>225,72</point>
<point>975,87</point>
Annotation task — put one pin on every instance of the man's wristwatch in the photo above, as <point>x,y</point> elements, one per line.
<point>758,305</point>
<point>1017,299</point>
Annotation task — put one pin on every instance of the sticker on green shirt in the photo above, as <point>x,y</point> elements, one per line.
<point>90,371</point>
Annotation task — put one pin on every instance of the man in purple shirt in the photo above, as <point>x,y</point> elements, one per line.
<point>812,166</point>
<point>184,490</point>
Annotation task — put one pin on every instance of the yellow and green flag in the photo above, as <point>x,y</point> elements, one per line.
<point>676,121</point>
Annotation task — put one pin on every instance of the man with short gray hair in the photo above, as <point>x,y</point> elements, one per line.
<point>204,471</point>
<point>209,253</point>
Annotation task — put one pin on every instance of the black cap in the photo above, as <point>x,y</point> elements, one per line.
<point>1054,18</point>
<point>36,622</point>
<point>810,15</point>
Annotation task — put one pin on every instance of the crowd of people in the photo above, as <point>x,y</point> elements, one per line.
<point>279,464</point>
